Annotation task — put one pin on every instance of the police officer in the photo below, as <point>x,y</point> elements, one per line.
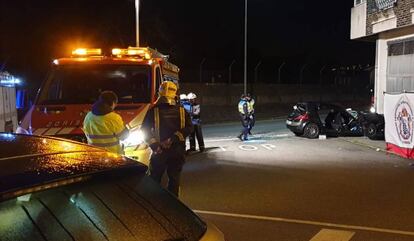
<point>102,126</point>
<point>185,102</point>
<point>195,119</point>
<point>252,115</point>
<point>166,126</point>
<point>244,117</point>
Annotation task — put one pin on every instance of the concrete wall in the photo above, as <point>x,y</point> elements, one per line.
<point>219,101</point>
<point>359,20</point>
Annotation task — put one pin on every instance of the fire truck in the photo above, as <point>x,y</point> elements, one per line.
<point>74,84</point>
<point>8,111</point>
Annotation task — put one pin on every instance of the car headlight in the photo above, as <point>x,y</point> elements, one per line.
<point>135,138</point>
<point>372,109</point>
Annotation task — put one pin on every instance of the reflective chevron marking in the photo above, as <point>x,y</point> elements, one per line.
<point>66,130</point>
<point>40,131</point>
<point>52,131</point>
<point>330,234</point>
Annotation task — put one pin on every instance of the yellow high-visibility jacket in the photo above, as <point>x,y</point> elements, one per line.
<point>104,131</point>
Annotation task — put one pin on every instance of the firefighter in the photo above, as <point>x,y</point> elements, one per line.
<point>252,115</point>
<point>102,126</point>
<point>195,119</point>
<point>165,127</point>
<point>244,117</point>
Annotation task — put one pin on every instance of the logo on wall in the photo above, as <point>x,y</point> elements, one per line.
<point>404,120</point>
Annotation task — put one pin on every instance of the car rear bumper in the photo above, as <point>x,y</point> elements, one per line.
<point>295,126</point>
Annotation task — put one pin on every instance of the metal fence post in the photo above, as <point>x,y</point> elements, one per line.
<point>230,67</point>
<point>256,70</point>
<point>201,69</point>
<point>280,72</point>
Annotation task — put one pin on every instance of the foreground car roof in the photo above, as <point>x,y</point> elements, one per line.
<point>32,163</point>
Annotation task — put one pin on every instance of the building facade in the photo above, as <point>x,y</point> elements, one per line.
<point>390,24</point>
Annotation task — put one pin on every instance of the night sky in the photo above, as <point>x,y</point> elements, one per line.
<point>316,32</point>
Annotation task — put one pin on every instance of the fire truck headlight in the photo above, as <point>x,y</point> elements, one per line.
<point>372,110</point>
<point>135,138</point>
<point>20,130</point>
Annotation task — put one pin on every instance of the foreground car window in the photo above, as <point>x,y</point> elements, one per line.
<point>116,207</point>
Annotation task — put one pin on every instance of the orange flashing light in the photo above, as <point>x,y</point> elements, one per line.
<point>86,52</point>
<point>133,51</point>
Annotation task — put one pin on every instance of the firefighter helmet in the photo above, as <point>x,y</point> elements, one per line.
<point>168,89</point>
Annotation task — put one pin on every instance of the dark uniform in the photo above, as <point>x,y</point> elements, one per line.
<point>244,117</point>
<point>165,127</point>
<point>197,132</point>
<point>251,102</point>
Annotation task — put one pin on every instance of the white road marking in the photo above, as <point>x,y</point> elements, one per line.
<point>222,148</point>
<point>330,234</point>
<point>248,148</point>
<point>220,140</point>
<point>236,139</point>
<point>268,146</point>
<point>307,222</point>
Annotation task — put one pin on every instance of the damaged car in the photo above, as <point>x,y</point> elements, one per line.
<point>311,119</point>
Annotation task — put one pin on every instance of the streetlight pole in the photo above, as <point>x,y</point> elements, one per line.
<point>137,20</point>
<point>245,46</point>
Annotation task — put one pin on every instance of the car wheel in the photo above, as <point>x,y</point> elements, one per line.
<point>371,131</point>
<point>311,131</point>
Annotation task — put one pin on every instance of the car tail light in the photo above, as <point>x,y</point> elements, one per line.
<point>303,117</point>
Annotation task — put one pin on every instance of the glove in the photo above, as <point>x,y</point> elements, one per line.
<point>156,148</point>
<point>166,144</point>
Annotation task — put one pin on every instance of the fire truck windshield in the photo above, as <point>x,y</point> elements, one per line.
<point>82,83</point>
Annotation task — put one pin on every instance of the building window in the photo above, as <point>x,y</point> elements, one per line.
<point>357,2</point>
<point>380,5</point>
<point>405,47</point>
<point>400,73</point>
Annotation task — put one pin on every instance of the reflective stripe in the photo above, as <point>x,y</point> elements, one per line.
<point>100,136</point>
<point>182,118</point>
<point>180,136</point>
<point>106,144</point>
<point>250,106</point>
<point>241,107</point>
<point>157,124</point>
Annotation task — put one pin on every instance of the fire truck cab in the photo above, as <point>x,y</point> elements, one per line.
<point>74,84</point>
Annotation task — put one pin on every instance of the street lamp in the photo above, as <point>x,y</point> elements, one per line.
<point>245,47</point>
<point>137,20</point>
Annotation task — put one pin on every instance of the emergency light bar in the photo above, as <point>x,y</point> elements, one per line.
<point>86,52</point>
<point>145,53</point>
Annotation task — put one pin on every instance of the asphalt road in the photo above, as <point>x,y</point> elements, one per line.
<point>281,187</point>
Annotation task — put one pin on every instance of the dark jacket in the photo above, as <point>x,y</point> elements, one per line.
<point>170,126</point>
